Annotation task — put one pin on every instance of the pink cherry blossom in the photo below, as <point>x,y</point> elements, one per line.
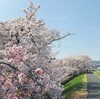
<point>38,71</point>
<point>16,55</point>
<point>22,78</point>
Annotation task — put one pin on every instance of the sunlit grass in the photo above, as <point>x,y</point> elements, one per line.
<point>97,72</point>
<point>76,88</point>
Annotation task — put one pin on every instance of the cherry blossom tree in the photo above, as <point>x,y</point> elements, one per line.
<point>79,63</point>
<point>70,66</point>
<point>25,55</point>
<point>60,71</point>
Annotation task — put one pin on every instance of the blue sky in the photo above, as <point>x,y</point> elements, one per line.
<point>81,17</point>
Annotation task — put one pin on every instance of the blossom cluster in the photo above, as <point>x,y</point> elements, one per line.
<point>16,55</point>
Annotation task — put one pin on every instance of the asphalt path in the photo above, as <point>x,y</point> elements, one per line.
<point>93,87</point>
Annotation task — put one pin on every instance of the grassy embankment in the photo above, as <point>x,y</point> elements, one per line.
<point>97,73</point>
<point>76,88</point>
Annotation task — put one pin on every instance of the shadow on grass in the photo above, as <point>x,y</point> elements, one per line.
<point>73,88</point>
<point>71,77</point>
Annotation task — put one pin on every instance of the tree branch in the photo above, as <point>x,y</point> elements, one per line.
<point>57,39</point>
<point>60,37</point>
<point>14,68</point>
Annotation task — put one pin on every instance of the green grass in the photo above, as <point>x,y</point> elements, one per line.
<point>97,72</point>
<point>76,87</point>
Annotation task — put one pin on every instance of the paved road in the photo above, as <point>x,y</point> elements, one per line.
<point>93,87</point>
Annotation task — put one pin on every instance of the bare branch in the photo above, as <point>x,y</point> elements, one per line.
<point>57,39</point>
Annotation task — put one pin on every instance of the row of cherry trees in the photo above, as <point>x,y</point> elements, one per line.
<point>26,67</point>
<point>70,66</point>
